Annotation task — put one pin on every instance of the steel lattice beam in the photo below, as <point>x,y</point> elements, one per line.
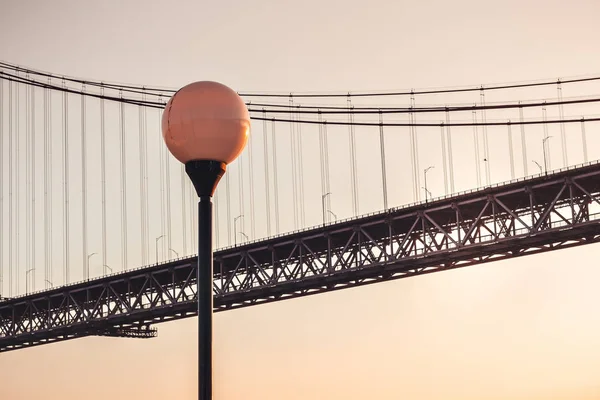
<point>526,217</point>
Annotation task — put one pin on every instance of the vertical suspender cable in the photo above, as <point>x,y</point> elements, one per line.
<point>123,185</point>
<point>414,150</point>
<point>415,177</point>
<point>302,203</point>
<point>86,271</point>
<point>17,188</point>
<point>563,135</point>
<point>50,179</point>
<point>240,162</point>
<point>10,188</point>
<point>191,218</point>
<point>32,220</point>
<point>293,150</point>
<point>144,177</point>
<point>161,158</point>
<point>275,182</point>
<point>2,236</point>
<point>65,155</point>
<point>546,148</point>
<point>228,203</point>
<point>382,158</point>
<point>167,242</point>
<point>476,144</point>
<point>216,220</point>
<point>193,215</point>
<point>352,144</point>
<point>296,172</point>
<point>27,184</point>
<point>326,158</point>
<point>523,142</point>
<point>46,144</point>
<point>103,175</point>
<point>143,194</point>
<point>584,140</point>
<point>267,183</point>
<point>450,160</point>
<point>322,161</point>
<point>184,221</point>
<point>228,208</point>
<point>511,152</point>
<point>486,147</point>
<point>444,157</point>
<point>251,183</point>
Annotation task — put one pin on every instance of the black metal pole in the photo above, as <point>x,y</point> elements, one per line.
<point>205,175</point>
<point>205,298</point>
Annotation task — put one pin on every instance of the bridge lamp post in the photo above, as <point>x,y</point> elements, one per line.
<point>539,166</point>
<point>27,280</point>
<point>176,253</point>
<point>332,213</point>
<point>205,126</point>
<point>156,246</point>
<point>88,265</point>
<point>427,192</point>
<point>107,267</point>
<point>544,146</point>
<point>235,220</point>
<point>486,166</point>
<point>425,180</point>
<point>323,197</point>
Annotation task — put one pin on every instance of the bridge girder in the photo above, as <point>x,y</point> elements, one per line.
<point>526,217</point>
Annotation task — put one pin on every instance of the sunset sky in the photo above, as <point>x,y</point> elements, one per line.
<point>511,330</point>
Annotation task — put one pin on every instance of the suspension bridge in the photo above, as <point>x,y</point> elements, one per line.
<point>97,219</point>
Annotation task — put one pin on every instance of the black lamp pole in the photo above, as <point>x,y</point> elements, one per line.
<point>205,175</point>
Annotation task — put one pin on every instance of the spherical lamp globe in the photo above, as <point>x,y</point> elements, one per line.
<point>206,121</point>
<point>205,125</point>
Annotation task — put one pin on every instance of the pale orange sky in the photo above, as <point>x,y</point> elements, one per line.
<point>521,329</point>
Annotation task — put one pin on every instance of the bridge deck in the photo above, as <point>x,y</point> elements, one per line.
<point>525,217</point>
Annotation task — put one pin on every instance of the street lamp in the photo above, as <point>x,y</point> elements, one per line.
<point>332,213</point>
<point>323,197</point>
<point>176,253</point>
<point>27,279</point>
<point>107,267</point>
<point>235,228</point>
<point>485,162</point>
<point>538,164</point>
<point>427,192</point>
<point>156,245</point>
<point>425,181</point>
<point>544,140</point>
<point>244,235</point>
<point>88,265</point>
<point>205,126</point>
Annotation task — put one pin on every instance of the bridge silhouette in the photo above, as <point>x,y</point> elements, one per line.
<point>280,256</point>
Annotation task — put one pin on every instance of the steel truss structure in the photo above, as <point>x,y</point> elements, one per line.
<point>515,219</point>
